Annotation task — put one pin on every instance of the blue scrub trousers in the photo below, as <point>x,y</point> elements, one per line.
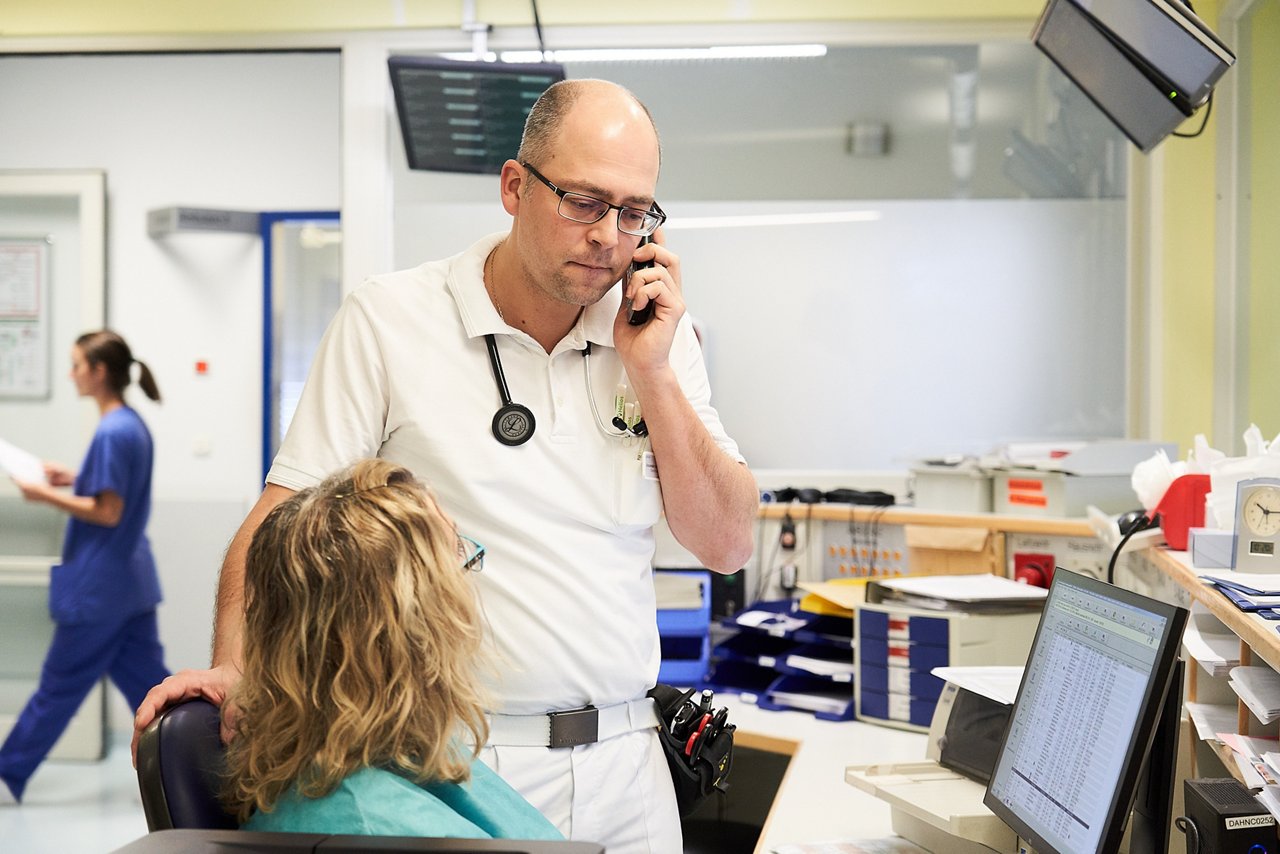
<point>128,651</point>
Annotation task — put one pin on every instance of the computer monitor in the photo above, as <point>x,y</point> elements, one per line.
<point>461,116</point>
<point>1147,64</point>
<point>1096,686</point>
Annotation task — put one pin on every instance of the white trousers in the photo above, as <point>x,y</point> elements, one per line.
<point>616,792</point>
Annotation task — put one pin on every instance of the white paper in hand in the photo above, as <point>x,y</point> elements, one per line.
<point>20,464</point>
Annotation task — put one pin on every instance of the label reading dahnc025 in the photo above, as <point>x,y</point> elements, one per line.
<point>1249,821</point>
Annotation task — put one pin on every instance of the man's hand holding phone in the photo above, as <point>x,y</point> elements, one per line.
<point>651,308</point>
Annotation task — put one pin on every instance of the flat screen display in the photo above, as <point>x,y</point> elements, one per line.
<point>1169,37</point>
<point>1146,65</point>
<point>1092,694</point>
<point>460,116</point>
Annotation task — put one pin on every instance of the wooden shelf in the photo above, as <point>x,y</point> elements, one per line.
<point>1258,636</point>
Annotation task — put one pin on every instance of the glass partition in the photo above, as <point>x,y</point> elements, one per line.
<point>303,258</point>
<point>895,251</point>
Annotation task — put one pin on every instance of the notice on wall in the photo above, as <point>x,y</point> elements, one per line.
<point>24,318</point>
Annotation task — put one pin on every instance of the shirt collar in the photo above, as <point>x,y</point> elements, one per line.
<point>466,283</point>
<point>479,317</point>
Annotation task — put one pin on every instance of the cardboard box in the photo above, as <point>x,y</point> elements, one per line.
<point>934,550</point>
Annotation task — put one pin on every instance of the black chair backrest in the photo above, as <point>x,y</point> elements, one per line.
<point>180,766</point>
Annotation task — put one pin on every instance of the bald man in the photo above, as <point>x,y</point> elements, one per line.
<point>495,376</point>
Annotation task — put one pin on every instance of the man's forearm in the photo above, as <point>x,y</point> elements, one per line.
<point>228,621</point>
<point>710,498</point>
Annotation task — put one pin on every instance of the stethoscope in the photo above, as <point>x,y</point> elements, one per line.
<point>513,423</point>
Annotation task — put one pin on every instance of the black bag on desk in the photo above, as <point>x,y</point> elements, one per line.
<point>698,771</point>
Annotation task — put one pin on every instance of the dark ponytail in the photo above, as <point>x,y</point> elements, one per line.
<point>107,348</point>
<point>147,382</point>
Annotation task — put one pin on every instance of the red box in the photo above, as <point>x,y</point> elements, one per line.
<point>1182,508</point>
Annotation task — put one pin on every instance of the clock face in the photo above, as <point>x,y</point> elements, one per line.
<point>1261,511</point>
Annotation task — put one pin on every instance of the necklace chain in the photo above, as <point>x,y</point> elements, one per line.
<point>490,287</point>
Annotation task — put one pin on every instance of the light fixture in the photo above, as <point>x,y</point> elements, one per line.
<point>641,54</point>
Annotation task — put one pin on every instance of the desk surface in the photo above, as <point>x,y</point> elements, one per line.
<point>814,803</point>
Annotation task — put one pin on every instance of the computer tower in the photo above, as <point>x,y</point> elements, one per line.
<point>1227,818</point>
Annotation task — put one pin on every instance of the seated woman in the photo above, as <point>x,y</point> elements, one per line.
<point>360,691</point>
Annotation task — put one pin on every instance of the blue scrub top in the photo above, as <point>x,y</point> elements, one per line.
<point>109,573</point>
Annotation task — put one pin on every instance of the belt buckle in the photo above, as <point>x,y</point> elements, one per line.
<point>574,727</point>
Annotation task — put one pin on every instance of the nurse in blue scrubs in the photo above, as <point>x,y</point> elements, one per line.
<point>103,596</point>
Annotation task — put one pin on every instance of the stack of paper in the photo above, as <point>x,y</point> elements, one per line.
<point>832,704</point>
<point>1210,642</point>
<point>1259,688</point>
<point>981,592</point>
<point>772,622</point>
<point>1270,798</point>
<point>1211,719</point>
<point>838,670</point>
<point>1249,591</point>
<point>1248,753</point>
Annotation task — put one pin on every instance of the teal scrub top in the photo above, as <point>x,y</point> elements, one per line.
<point>377,802</point>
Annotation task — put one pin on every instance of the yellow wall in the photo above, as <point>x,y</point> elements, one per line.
<point>1187,247</point>
<point>1264,216</point>
<point>136,17</point>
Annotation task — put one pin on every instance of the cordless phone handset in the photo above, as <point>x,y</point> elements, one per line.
<point>637,317</point>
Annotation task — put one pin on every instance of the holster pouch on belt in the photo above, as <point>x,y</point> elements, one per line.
<point>706,769</point>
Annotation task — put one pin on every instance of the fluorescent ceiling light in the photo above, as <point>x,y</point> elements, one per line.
<point>632,54</point>
<point>769,220</point>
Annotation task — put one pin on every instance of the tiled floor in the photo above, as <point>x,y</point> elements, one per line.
<point>75,807</point>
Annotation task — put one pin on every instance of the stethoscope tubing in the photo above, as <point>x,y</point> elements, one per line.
<point>513,424</point>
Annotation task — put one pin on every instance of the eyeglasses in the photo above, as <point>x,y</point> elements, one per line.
<point>580,208</point>
<point>471,554</point>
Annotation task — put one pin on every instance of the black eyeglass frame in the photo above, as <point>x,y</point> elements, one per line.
<point>655,212</point>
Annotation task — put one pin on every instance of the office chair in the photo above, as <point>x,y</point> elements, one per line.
<point>180,767</point>
<point>179,773</point>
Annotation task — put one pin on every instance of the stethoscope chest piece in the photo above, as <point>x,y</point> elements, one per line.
<point>513,424</point>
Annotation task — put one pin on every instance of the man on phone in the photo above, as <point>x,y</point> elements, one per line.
<point>494,375</point>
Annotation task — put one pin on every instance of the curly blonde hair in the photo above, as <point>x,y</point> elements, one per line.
<point>362,641</point>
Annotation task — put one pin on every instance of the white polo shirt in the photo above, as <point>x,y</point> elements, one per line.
<point>566,518</point>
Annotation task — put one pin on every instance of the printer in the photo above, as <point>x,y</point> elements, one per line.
<point>937,803</point>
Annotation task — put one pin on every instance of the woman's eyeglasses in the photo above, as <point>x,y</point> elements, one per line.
<point>471,554</point>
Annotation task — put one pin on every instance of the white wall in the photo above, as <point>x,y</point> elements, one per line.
<point>246,131</point>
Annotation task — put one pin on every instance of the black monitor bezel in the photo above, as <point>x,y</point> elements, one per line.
<point>1149,716</point>
<point>399,62</point>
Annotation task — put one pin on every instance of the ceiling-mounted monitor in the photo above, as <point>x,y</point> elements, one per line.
<point>461,116</point>
<point>1147,64</point>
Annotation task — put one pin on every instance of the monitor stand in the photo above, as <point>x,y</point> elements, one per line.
<point>1150,826</point>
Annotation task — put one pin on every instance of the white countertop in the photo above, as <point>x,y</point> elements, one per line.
<point>814,803</point>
